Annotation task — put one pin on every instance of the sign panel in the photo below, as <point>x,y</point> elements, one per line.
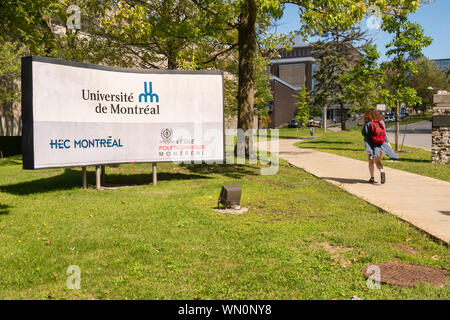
<point>442,120</point>
<point>77,114</point>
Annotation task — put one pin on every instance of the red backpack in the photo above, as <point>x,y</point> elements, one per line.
<point>377,133</point>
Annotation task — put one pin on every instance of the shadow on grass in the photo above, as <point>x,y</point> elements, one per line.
<point>230,171</point>
<point>328,148</point>
<point>10,161</point>
<point>142,179</point>
<point>4,209</point>
<point>328,141</point>
<point>412,160</point>
<point>71,179</point>
<point>299,137</point>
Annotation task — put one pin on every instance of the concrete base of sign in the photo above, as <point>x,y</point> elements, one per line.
<point>231,210</point>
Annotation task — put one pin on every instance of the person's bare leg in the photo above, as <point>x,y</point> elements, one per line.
<point>371,169</point>
<point>381,168</point>
<point>379,165</point>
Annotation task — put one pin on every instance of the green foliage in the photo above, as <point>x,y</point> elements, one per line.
<point>335,52</point>
<point>408,41</point>
<point>30,23</point>
<point>165,34</point>
<point>447,73</point>
<point>303,111</point>
<point>10,53</point>
<point>263,93</point>
<point>364,81</point>
<point>186,34</point>
<point>428,75</point>
<point>41,27</point>
<point>318,16</point>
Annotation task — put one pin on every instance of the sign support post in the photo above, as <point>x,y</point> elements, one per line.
<point>97,177</point>
<point>155,177</point>
<point>84,178</point>
<point>103,174</point>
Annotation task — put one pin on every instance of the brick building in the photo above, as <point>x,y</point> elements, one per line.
<point>288,74</point>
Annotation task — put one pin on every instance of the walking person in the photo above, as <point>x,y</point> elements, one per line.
<point>311,126</point>
<point>375,140</point>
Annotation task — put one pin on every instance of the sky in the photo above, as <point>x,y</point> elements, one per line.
<point>434,18</point>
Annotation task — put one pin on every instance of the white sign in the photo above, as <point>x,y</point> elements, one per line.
<point>77,114</point>
<point>381,107</point>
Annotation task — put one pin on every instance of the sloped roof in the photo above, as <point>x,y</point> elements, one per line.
<point>275,78</point>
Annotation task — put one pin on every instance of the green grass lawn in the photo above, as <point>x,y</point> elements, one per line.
<point>350,144</point>
<point>302,237</point>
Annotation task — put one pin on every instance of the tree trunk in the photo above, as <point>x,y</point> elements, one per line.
<point>172,61</point>
<point>342,116</point>
<point>397,125</point>
<point>247,54</point>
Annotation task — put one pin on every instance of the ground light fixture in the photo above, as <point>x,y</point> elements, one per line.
<point>230,196</point>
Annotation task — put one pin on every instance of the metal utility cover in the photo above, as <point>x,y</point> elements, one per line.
<point>406,275</point>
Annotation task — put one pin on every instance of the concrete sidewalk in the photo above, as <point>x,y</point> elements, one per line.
<point>419,200</point>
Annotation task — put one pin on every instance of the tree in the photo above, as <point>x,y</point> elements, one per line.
<point>246,16</point>
<point>408,40</point>
<point>31,21</point>
<point>303,111</point>
<point>166,34</point>
<point>10,53</point>
<point>335,55</point>
<point>364,81</point>
<point>263,93</point>
<point>40,25</point>
<point>428,75</point>
<point>447,73</point>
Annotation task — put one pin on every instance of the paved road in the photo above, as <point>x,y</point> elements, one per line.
<point>416,135</point>
<point>422,201</point>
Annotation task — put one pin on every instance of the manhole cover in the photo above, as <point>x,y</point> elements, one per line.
<point>405,274</point>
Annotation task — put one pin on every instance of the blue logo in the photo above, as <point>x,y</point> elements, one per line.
<point>148,93</point>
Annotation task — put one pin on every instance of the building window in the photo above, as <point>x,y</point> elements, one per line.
<point>314,69</point>
<point>270,106</point>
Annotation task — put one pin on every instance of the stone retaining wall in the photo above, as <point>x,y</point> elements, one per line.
<point>440,149</point>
